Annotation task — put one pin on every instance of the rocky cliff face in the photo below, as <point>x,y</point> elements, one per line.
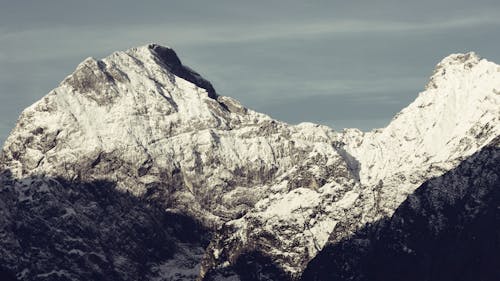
<point>269,196</point>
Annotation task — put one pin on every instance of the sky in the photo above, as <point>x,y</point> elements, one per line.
<point>338,63</point>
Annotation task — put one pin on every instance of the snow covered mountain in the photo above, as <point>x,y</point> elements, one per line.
<point>446,230</point>
<point>258,198</point>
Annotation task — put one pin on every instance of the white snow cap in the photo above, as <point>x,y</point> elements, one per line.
<point>460,58</point>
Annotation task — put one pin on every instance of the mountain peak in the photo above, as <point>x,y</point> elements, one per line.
<point>141,95</point>
<point>93,75</point>
<point>453,67</point>
<point>166,54</point>
<point>454,117</point>
<point>461,59</point>
<point>168,58</point>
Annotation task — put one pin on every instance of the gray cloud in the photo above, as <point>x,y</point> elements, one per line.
<point>330,62</point>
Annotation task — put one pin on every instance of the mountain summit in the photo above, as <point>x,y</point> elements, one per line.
<point>196,186</point>
<point>169,58</point>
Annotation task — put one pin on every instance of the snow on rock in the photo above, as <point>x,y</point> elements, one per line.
<point>454,117</point>
<point>159,131</point>
<point>185,265</point>
<point>142,120</point>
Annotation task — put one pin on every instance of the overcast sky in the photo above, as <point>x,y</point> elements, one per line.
<point>340,63</point>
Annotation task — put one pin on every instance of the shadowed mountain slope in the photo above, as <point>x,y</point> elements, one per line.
<point>448,229</point>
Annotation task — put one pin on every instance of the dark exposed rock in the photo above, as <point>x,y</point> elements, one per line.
<point>170,59</point>
<point>53,229</point>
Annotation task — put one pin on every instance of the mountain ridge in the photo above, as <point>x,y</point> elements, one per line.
<point>442,231</point>
<point>157,130</point>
